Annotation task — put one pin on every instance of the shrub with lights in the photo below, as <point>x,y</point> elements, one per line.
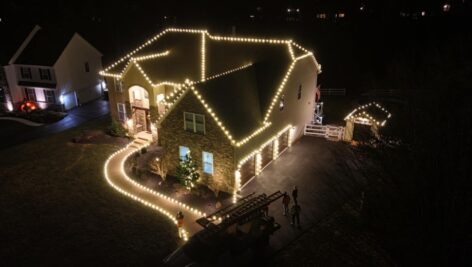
<point>187,172</point>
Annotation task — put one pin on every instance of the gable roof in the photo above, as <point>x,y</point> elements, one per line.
<point>216,70</point>
<point>370,113</point>
<point>44,48</point>
<point>253,85</point>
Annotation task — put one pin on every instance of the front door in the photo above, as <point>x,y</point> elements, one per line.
<point>140,120</point>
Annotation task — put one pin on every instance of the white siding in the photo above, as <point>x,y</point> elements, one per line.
<point>71,74</point>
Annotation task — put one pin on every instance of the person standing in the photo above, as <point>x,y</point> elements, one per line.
<point>295,194</point>
<point>180,223</point>
<point>285,203</point>
<point>295,211</point>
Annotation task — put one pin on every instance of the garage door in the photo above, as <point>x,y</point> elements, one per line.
<point>283,141</point>
<point>248,170</point>
<point>267,154</point>
<point>69,100</point>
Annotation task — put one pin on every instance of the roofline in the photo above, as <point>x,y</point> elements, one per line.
<point>96,49</point>
<point>68,43</point>
<point>24,44</point>
<point>212,37</point>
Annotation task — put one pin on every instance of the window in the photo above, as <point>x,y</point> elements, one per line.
<point>30,94</point>
<point>299,91</point>
<point>194,122</point>
<point>282,103</point>
<point>118,85</point>
<point>207,162</point>
<point>121,112</point>
<point>25,73</point>
<point>87,67</point>
<point>183,152</point>
<point>44,74</point>
<point>49,95</point>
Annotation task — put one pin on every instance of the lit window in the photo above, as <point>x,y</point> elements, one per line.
<point>207,162</point>
<point>194,122</point>
<point>30,94</point>
<point>44,74</point>
<point>299,91</point>
<point>183,152</point>
<point>121,112</point>
<point>282,103</point>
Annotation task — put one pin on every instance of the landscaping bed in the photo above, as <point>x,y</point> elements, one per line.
<point>40,116</point>
<point>142,168</point>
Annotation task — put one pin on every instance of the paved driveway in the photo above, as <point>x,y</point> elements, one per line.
<point>75,117</point>
<point>325,176</point>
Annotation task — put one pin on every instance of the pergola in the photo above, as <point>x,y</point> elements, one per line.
<point>372,114</point>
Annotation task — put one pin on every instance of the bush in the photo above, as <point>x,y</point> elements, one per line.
<point>116,129</point>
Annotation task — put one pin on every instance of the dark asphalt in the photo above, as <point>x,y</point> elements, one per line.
<point>326,179</point>
<point>75,117</point>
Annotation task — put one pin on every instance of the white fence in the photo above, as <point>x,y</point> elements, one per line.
<point>333,91</point>
<point>329,132</point>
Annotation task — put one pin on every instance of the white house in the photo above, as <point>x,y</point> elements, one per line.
<point>54,69</point>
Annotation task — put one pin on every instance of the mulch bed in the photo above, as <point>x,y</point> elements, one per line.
<point>99,137</point>
<point>201,197</point>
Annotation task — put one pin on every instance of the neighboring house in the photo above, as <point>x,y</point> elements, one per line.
<point>54,69</point>
<point>233,103</point>
<point>5,99</point>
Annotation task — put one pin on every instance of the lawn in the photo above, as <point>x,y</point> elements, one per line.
<point>57,208</point>
<point>11,128</point>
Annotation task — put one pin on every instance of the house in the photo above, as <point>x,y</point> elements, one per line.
<point>233,103</point>
<point>54,70</point>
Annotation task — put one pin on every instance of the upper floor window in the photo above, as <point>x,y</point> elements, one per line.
<point>50,96</point>
<point>207,159</point>
<point>25,73</point>
<point>299,91</point>
<point>121,112</point>
<point>87,67</point>
<point>282,103</point>
<point>44,74</point>
<point>194,122</point>
<point>183,152</point>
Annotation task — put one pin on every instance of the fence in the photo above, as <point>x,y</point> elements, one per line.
<point>329,132</point>
<point>333,91</point>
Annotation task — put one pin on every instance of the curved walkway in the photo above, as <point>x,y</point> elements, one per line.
<point>21,120</point>
<point>120,181</point>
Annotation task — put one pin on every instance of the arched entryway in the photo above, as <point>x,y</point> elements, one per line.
<point>139,102</point>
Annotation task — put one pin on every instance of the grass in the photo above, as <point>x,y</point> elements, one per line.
<point>10,128</point>
<point>57,208</point>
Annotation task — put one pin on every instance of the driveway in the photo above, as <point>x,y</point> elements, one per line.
<point>75,117</point>
<point>326,178</point>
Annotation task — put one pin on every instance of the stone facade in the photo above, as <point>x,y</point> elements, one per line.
<point>172,135</point>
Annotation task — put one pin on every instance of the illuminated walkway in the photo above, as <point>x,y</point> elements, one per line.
<point>117,178</point>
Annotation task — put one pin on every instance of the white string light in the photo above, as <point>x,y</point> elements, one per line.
<point>359,114</point>
<point>149,204</point>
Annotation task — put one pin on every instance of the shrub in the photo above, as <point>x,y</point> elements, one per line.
<point>116,129</point>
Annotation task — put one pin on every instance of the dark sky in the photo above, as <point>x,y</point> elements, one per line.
<point>123,24</point>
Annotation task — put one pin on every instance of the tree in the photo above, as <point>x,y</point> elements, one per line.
<point>187,172</point>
